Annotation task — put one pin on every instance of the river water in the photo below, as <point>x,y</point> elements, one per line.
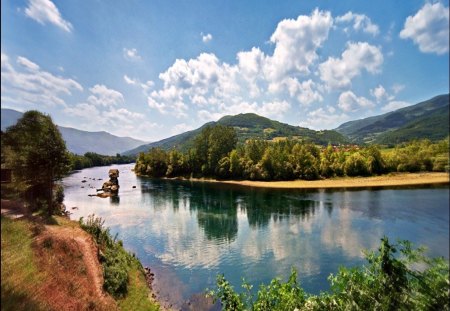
<point>188,232</point>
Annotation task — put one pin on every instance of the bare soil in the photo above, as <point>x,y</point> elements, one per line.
<point>397,179</point>
<point>67,257</point>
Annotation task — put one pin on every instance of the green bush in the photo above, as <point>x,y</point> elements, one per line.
<point>390,281</point>
<point>116,261</point>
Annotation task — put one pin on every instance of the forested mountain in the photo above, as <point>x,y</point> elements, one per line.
<point>428,119</point>
<point>80,142</point>
<point>247,125</point>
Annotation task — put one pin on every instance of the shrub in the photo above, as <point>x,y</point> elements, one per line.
<point>115,260</point>
<point>390,281</point>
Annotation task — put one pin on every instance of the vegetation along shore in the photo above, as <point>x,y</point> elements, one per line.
<point>49,262</point>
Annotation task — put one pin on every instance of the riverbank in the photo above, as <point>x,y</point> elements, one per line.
<point>389,180</point>
<point>51,264</point>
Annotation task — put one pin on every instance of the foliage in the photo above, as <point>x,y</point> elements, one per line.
<point>37,154</point>
<point>91,159</point>
<point>215,154</point>
<point>116,262</point>
<point>389,281</point>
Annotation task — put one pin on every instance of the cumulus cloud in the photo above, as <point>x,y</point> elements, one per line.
<point>131,54</point>
<point>206,38</point>
<point>324,118</point>
<point>429,28</point>
<point>29,85</point>
<point>379,93</point>
<point>103,96</point>
<point>296,43</point>
<point>394,105</point>
<point>45,11</point>
<point>338,73</point>
<point>360,22</point>
<point>349,102</point>
<point>260,83</point>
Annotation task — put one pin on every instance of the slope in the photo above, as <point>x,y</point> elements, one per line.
<point>247,126</point>
<point>375,129</point>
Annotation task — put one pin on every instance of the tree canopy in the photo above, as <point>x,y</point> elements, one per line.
<point>37,154</point>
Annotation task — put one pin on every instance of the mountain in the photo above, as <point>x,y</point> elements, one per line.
<point>80,142</point>
<point>247,125</point>
<point>428,119</point>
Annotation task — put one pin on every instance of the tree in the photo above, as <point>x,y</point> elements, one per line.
<point>38,157</point>
<point>212,144</point>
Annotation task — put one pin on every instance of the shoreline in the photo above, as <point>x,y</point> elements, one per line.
<point>389,180</point>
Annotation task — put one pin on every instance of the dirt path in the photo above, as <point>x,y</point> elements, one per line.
<point>88,249</point>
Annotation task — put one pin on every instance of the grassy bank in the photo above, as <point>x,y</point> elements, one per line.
<point>393,179</point>
<point>52,264</point>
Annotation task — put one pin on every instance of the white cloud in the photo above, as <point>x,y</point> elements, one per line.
<point>360,22</point>
<point>349,102</point>
<point>31,86</point>
<point>296,43</point>
<point>257,79</point>
<point>45,11</point>
<point>161,107</point>
<point>129,80</point>
<point>206,38</point>
<point>338,73</point>
<point>103,96</point>
<point>429,28</point>
<point>394,105</point>
<point>274,109</point>
<point>131,54</point>
<point>26,63</point>
<point>397,88</point>
<point>324,118</point>
<point>119,121</point>
<point>379,93</point>
<point>305,92</point>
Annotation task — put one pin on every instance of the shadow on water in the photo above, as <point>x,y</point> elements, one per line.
<point>114,199</point>
<point>217,205</point>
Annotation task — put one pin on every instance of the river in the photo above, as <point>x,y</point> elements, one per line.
<point>188,232</point>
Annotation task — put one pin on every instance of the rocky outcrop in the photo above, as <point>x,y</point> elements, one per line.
<point>112,185</point>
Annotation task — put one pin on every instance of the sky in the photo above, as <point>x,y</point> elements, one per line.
<point>153,69</point>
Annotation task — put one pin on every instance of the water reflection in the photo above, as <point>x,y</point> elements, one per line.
<point>114,199</point>
<point>189,232</point>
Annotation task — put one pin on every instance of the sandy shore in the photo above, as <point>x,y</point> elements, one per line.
<point>397,179</point>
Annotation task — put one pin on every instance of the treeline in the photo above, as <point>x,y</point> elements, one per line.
<point>91,159</point>
<point>216,154</point>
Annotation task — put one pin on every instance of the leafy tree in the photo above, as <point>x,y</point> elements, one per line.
<point>212,144</point>
<point>355,165</point>
<point>38,157</point>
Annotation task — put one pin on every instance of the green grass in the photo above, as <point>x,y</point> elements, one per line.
<point>19,274</point>
<point>137,298</point>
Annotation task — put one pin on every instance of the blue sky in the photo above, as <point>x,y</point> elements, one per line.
<point>152,69</point>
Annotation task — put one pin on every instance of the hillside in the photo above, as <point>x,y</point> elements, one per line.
<point>79,141</point>
<point>247,125</point>
<point>53,264</point>
<point>428,119</point>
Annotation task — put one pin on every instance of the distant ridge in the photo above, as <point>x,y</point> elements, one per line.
<point>80,142</point>
<point>247,125</point>
<point>427,119</point>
